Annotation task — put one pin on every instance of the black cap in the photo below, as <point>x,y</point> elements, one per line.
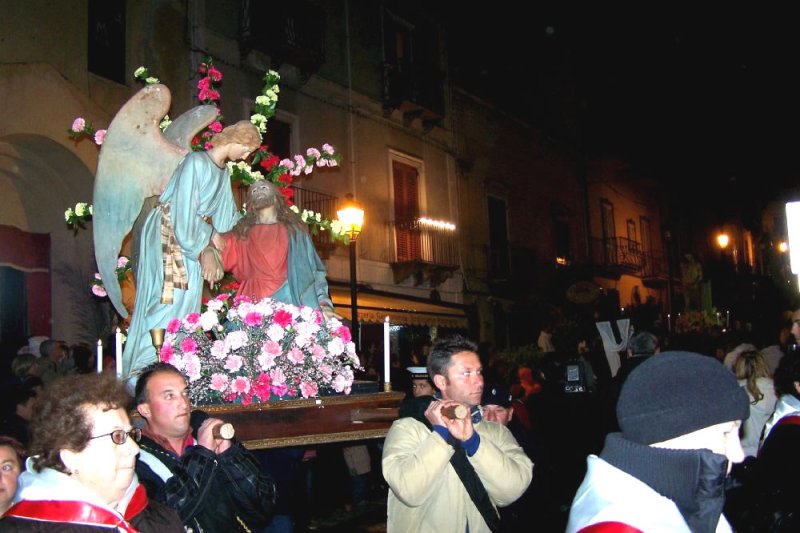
<point>496,394</point>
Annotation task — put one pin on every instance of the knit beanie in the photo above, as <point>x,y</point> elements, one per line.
<point>676,393</point>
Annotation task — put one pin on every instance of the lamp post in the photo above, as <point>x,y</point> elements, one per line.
<point>351,215</point>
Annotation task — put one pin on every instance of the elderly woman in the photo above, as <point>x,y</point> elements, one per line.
<point>80,476</point>
<point>11,456</point>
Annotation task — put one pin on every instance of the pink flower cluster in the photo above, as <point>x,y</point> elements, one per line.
<point>259,351</point>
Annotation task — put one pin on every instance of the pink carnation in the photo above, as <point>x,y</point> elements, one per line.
<point>122,261</point>
<point>344,333</point>
<point>99,137</point>
<point>203,83</point>
<point>308,389</point>
<point>174,326</point>
<point>219,382</point>
<point>167,351</point>
<point>233,363</point>
<point>254,319</point>
<point>188,345</point>
<point>241,385</point>
<point>261,387</point>
<point>317,353</point>
<point>282,317</point>
<point>207,146</point>
<point>215,74</point>
<point>279,389</point>
<point>99,291</point>
<point>78,124</point>
<point>215,126</point>
<point>296,356</point>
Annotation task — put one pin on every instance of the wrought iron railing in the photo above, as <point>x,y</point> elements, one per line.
<point>319,202</point>
<point>626,254</point>
<point>415,241</point>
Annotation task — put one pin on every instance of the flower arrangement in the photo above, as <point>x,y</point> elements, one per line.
<point>257,351</point>
<point>694,320</point>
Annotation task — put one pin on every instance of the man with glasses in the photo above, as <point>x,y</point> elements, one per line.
<point>447,472</point>
<point>215,484</point>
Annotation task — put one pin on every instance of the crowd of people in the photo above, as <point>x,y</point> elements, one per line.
<point>674,441</point>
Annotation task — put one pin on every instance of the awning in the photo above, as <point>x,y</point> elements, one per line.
<point>375,306</point>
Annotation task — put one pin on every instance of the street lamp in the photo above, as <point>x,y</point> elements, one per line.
<point>723,240</point>
<point>351,215</point>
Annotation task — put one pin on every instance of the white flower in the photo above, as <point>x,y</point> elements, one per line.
<point>318,217</point>
<point>218,349</point>
<point>215,305</point>
<point>165,122</point>
<point>336,346</point>
<point>91,209</point>
<point>151,80</point>
<point>235,340</point>
<point>208,320</point>
<point>80,209</point>
<point>139,72</point>
<point>259,121</point>
<point>262,100</point>
<point>68,214</point>
<point>293,207</point>
<point>336,227</point>
<point>275,332</point>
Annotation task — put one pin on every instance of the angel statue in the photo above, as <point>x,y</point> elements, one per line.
<point>194,198</point>
<point>271,253</point>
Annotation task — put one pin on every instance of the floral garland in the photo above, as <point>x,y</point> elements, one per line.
<point>123,269</point>
<point>254,352</point>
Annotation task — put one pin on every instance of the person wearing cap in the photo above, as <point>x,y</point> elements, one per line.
<point>451,474</point>
<point>421,384</point>
<point>679,415</point>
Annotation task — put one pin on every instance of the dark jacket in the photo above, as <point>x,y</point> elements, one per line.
<point>212,493</point>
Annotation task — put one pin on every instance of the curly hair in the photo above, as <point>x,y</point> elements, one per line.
<point>751,365</point>
<point>60,420</point>
<point>443,350</point>
<point>263,194</point>
<point>242,132</point>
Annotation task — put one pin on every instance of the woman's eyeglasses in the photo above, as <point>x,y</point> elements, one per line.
<point>120,436</point>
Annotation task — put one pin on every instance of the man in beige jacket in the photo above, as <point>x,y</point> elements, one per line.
<point>430,459</point>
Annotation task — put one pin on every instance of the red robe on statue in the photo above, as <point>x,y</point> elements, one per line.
<point>258,263</point>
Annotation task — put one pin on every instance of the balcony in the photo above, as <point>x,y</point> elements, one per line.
<point>415,91</point>
<point>618,255</point>
<point>426,252</point>
<point>289,32</point>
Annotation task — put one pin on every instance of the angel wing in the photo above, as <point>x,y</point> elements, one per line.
<point>136,161</point>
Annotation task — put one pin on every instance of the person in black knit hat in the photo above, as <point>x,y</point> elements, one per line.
<point>679,415</point>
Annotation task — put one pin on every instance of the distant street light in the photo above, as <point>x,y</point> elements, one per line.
<point>783,246</point>
<point>351,215</point>
<point>723,240</point>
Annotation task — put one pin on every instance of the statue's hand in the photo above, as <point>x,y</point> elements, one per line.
<point>218,241</point>
<point>328,313</point>
<point>210,265</point>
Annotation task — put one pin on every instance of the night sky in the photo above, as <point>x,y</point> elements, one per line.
<point>703,100</point>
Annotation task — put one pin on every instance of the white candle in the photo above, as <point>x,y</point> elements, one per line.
<point>118,361</point>
<point>669,322</point>
<point>386,363</point>
<point>99,356</point>
<point>727,319</point>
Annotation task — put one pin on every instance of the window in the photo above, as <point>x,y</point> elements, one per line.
<point>106,42</point>
<point>645,228</point>
<point>499,262</point>
<point>405,179</point>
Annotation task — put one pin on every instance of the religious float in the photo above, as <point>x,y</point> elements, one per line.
<point>282,373</point>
